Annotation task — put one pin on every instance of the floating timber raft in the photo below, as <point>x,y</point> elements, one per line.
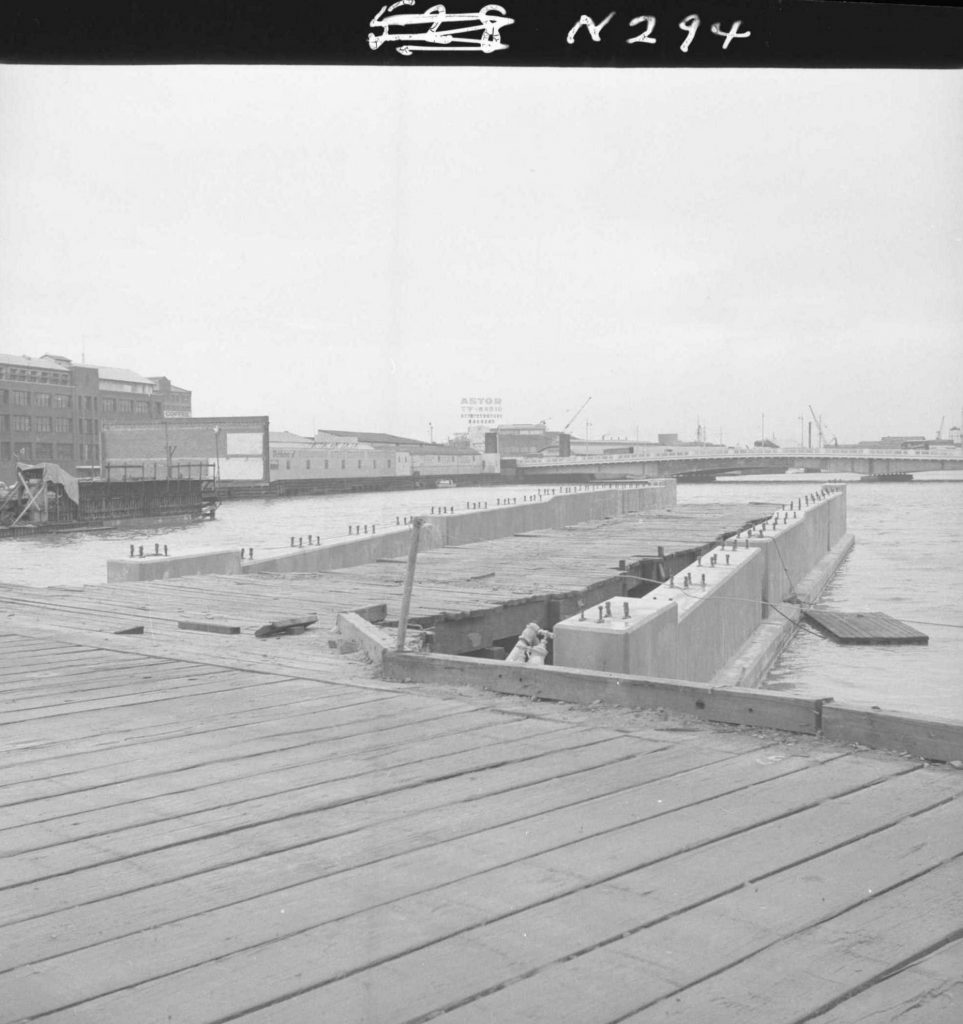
<point>864,628</point>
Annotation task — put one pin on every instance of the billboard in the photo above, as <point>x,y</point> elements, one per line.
<point>481,412</point>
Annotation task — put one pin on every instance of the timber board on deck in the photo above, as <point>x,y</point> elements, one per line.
<point>183,840</point>
<point>864,627</point>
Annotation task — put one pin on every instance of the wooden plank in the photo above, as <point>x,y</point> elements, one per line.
<point>288,625</point>
<point>864,627</point>
<point>772,710</point>
<point>906,922</point>
<point>208,627</point>
<point>933,738</point>
<point>929,991</point>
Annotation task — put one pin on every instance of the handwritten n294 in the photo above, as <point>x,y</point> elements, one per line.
<point>689,25</point>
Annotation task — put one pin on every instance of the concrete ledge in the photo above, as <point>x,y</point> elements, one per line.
<point>165,567</point>
<point>736,706</point>
<point>936,739</point>
<point>758,654</point>
<point>368,637</point>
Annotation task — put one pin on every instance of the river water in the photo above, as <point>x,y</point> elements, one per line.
<point>906,563</point>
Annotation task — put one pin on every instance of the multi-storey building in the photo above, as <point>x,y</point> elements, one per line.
<point>54,410</point>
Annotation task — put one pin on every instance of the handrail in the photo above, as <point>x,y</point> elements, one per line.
<point>737,455</point>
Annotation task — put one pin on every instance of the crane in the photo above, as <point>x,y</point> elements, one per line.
<point>564,429</point>
<point>939,433</point>
<point>819,426</point>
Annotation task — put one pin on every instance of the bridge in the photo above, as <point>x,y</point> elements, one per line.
<point>898,463</point>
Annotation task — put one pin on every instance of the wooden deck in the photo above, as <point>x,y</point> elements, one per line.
<point>212,836</point>
<point>204,827</point>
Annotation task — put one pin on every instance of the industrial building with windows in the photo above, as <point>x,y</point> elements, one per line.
<point>54,410</point>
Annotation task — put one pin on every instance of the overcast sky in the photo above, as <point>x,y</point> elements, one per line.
<point>361,248</point>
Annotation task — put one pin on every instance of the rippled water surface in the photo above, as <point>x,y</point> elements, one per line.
<point>906,563</point>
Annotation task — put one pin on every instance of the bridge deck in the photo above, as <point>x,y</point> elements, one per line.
<point>195,835</point>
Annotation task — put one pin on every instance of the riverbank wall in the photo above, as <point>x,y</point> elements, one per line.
<point>705,621</point>
<point>440,530</point>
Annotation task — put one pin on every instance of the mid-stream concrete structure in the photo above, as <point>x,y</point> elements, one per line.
<point>693,625</point>
<point>564,507</point>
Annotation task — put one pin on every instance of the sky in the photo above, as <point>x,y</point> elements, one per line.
<point>360,248</point>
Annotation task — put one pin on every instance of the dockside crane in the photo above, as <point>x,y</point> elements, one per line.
<point>564,429</point>
<point>818,420</point>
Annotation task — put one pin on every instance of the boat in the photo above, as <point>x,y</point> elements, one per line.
<point>446,482</point>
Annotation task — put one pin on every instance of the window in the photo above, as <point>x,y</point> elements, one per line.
<point>43,451</point>
<point>141,408</point>
<point>307,464</point>
<point>4,395</point>
<point>61,401</point>
<point>21,424</point>
<point>109,405</point>
<point>61,425</point>
<point>275,464</point>
<point>65,452</point>
<point>42,398</point>
<point>21,397</point>
<point>42,424</point>
<point>5,423</point>
<point>287,463</point>
<point>125,405</point>
<point>24,451</point>
<point>6,450</point>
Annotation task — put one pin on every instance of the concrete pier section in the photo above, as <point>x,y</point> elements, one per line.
<point>712,615</point>
<point>564,507</point>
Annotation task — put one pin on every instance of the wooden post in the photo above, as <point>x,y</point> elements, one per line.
<point>416,524</point>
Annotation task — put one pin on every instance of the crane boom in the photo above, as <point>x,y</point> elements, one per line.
<point>819,426</point>
<point>577,411</point>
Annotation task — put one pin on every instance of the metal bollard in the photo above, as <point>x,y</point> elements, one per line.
<point>165,550</point>
<point>132,551</point>
<point>292,539</point>
<point>300,542</point>
<point>140,551</point>
<point>242,554</point>
<point>625,610</point>
<point>250,552</point>
<point>157,549</point>
<point>373,529</point>
<point>601,614</point>
<point>727,559</point>
<point>608,609</point>
<point>703,581</point>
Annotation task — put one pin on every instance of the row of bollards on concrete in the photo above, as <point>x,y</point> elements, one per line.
<point>250,553</point>
<point>140,551</point>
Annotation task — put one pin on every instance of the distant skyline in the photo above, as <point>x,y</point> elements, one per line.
<point>361,248</point>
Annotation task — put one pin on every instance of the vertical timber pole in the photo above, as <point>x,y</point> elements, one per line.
<point>416,524</point>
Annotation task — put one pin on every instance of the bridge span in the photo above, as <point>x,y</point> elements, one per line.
<point>872,462</point>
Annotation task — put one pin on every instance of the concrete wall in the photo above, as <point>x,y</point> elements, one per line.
<point>690,631</point>
<point>154,567</point>
<point>469,527</point>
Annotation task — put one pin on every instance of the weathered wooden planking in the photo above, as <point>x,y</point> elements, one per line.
<point>694,937</point>
<point>928,991</point>
<point>412,956</point>
<point>864,627</point>
<point>906,921</point>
